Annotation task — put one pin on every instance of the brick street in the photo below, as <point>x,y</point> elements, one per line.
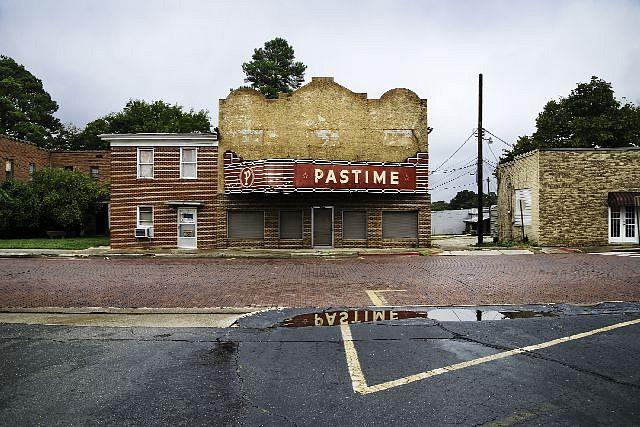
<point>317,282</point>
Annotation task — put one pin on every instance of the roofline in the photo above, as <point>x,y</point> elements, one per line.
<point>158,139</point>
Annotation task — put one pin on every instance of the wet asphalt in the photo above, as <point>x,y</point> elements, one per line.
<point>259,372</point>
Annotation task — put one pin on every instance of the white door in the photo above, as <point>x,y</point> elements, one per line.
<point>623,224</point>
<point>187,228</point>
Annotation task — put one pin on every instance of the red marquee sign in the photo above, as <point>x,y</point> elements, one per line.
<point>347,176</point>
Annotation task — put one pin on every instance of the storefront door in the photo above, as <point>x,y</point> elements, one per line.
<point>623,224</point>
<point>187,228</point>
<point>322,219</point>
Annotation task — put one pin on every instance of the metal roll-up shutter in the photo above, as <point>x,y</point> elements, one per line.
<point>245,225</point>
<point>400,225</point>
<point>354,225</point>
<point>291,225</point>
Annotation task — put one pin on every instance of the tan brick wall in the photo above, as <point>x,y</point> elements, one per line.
<point>575,186</point>
<point>323,120</point>
<point>519,174</point>
<point>82,161</point>
<point>569,191</point>
<point>128,192</point>
<point>21,153</point>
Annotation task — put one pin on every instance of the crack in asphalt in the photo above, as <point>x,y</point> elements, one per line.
<point>535,355</point>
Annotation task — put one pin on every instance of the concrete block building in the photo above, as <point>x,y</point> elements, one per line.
<point>320,167</point>
<point>570,197</point>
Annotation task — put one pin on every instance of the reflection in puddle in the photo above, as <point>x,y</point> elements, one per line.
<point>468,315</point>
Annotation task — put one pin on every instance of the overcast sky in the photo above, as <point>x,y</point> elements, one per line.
<point>94,56</point>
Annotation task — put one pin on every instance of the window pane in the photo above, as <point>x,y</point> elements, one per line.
<point>145,216</point>
<point>291,225</point>
<point>354,225</point>
<point>245,224</point>
<point>188,154</point>
<point>187,230</point>
<point>146,156</point>
<point>188,170</point>
<point>146,171</point>
<point>400,225</point>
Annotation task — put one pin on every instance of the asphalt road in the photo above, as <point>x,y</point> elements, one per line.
<point>433,280</point>
<point>384,373</point>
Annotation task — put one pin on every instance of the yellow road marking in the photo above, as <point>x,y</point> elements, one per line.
<point>379,300</point>
<point>359,382</point>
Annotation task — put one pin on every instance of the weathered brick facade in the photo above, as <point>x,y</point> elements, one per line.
<point>22,154</point>
<point>324,121</point>
<point>570,190</point>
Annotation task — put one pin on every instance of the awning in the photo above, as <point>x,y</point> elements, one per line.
<point>624,198</point>
<point>184,203</point>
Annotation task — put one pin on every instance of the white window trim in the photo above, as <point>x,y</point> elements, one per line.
<point>138,225</point>
<point>153,169</point>
<point>527,212</point>
<point>183,162</point>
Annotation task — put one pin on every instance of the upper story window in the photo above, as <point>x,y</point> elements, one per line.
<point>188,163</point>
<point>32,170</point>
<point>94,172</point>
<point>8,169</point>
<point>145,162</point>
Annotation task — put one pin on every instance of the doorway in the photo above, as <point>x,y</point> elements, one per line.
<point>623,224</point>
<point>322,225</point>
<point>187,228</point>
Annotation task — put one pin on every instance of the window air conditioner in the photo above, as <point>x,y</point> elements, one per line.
<point>144,232</point>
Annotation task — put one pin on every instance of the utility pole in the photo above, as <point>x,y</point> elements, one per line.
<point>479,173</point>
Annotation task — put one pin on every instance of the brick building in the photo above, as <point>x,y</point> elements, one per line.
<point>575,197</point>
<point>320,167</point>
<point>21,159</point>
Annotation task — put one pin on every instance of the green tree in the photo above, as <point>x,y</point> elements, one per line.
<point>440,205</point>
<point>67,198</point>
<point>590,117</point>
<point>26,109</point>
<point>467,199</point>
<point>19,209</point>
<point>138,116</point>
<point>272,69</point>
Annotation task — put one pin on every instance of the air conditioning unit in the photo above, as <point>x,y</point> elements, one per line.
<point>144,232</point>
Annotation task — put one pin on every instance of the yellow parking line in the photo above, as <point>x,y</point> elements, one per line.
<point>379,300</point>
<point>360,385</point>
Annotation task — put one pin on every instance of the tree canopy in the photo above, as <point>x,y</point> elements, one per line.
<point>137,116</point>
<point>26,109</point>
<point>272,69</point>
<point>465,199</point>
<point>590,117</point>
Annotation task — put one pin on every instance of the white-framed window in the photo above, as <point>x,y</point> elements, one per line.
<point>291,225</point>
<point>145,163</point>
<point>145,216</point>
<point>94,172</point>
<point>8,169</point>
<point>188,163</point>
<point>522,207</point>
<point>32,170</point>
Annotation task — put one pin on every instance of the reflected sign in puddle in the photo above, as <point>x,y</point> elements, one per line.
<point>333,318</point>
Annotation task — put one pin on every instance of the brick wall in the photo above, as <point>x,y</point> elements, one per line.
<point>82,161</point>
<point>128,192</point>
<point>21,153</point>
<point>374,205</point>
<point>519,174</point>
<point>574,186</point>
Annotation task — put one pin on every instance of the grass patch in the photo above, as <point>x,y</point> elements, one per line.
<point>45,243</point>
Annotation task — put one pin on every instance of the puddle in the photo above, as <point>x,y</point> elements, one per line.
<point>468,315</point>
<point>334,318</point>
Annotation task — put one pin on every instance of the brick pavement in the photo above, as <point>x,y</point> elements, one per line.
<point>435,280</point>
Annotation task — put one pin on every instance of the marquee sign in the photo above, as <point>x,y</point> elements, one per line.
<point>290,175</point>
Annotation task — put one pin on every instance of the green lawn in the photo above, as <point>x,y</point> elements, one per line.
<point>46,243</point>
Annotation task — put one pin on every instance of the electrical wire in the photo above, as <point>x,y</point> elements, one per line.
<point>497,137</point>
<point>454,153</point>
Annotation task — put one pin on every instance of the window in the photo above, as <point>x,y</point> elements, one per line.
<point>245,225</point>
<point>145,162</point>
<point>8,169</point>
<point>145,216</point>
<point>94,172</point>
<point>522,208</point>
<point>68,168</point>
<point>188,163</point>
<point>354,225</point>
<point>32,170</point>
<point>291,225</point>
<point>400,225</point>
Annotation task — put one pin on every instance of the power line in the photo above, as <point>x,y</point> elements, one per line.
<point>497,137</point>
<point>454,153</point>
<point>448,181</point>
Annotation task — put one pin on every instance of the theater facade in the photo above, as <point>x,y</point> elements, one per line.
<point>322,167</point>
